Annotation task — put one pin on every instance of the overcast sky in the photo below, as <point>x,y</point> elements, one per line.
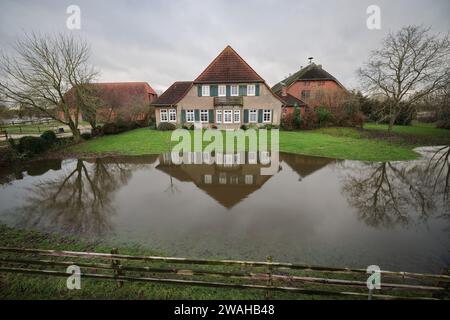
<point>164,41</point>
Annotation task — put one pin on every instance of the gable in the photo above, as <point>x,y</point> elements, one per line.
<point>228,67</point>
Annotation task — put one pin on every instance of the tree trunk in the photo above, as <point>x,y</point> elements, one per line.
<point>75,131</point>
<point>391,123</point>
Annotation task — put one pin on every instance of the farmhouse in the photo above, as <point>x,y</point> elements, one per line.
<point>226,95</point>
<point>308,88</point>
<point>124,100</point>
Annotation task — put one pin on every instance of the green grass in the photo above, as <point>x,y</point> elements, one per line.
<point>339,143</point>
<point>417,129</point>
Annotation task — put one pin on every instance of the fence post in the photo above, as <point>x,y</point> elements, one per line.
<point>115,264</point>
<point>269,278</point>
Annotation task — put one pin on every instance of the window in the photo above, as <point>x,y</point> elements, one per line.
<point>306,94</point>
<point>222,91</point>
<point>253,116</point>
<point>219,116</point>
<point>237,116</point>
<point>223,178</point>
<point>208,179</point>
<point>172,115</point>
<point>267,116</point>
<point>248,179</point>
<point>190,116</point>
<point>204,116</point>
<point>227,116</point>
<point>163,115</point>
<point>234,91</point>
<point>251,90</point>
<point>205,91</point>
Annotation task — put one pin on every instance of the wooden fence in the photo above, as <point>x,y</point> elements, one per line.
<point>258,275</point>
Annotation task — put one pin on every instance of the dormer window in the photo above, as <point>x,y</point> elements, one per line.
<point>205,91</point>
<point>222,91</point>
<point>251,90</point>
<point>234,90</point>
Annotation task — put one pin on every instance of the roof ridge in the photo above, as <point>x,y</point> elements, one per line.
<point>228,48</point>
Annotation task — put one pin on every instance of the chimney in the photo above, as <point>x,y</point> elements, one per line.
<point>283,89</point>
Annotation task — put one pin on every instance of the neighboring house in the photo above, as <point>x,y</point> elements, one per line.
<point>125,100</point>
<point>226,95</point>
<point>311,86</point>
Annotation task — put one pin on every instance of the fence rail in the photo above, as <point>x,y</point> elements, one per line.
<point>262,275</point>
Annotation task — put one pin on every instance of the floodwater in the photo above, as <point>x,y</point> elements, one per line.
<point>312,210</point>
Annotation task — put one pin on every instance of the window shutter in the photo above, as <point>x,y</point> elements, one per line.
<point>211,116</point>
<point>257,89</point>
<point>197,115</point>
<point>228,91</point>
<point>245,116</point>
<point>183,116</point>
<point>260,116</point>
<point>199,90</point>
<point>214,90</point>
<point>242,90</point>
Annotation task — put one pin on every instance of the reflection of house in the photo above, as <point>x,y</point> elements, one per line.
<point>34,169</point>
<point>227,94</point>
<point>311,86</point>
<point>228,184</point>
<point>304,165</point>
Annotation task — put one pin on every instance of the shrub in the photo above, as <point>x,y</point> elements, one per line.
<point>49,136</point>
<point>97,131</point>
<point>323,116</point>
<point>31,145</point>
<point>166,126</point>
<point>213,126</point>
<point>244,127</point>
<point>86,136</point>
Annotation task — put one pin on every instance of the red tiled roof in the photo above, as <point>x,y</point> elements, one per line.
<point>123,93</point>
<point>228,67</point>
<point>174,93</point>
<point>290,101</point>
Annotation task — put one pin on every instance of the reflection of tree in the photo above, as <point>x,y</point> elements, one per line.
<point>78,202</point>
<point>387,194</point>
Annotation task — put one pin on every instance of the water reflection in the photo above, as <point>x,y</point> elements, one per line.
<point>79,200</point>
<point>387,194</point>
<point>314,210</point>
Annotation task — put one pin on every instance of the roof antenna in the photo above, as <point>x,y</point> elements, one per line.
<point>310,59</point>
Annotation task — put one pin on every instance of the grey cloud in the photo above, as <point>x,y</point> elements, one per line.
<point>164,41</point>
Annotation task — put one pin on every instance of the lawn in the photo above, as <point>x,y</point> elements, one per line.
<point>339,143</point>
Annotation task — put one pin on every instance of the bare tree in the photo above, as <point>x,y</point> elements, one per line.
<point>411,64</point>
<point>41,70</point>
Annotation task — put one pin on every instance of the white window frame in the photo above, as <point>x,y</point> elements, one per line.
<point>205,91</point>
<point>248,179</point>
<point>222,178</point>
<point>251,90</point>
<point>232,93</point>
<point>265,112</point>
<point>219,118</point>
<point>172,112</point>
<point>202,112</point>
<point>190,113</point>
<point>222,91</point>
<point>238,114</point>
<point>207,179</point>
<point>225,113</point>
<point>166,115</point>
<point>252,112</point>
